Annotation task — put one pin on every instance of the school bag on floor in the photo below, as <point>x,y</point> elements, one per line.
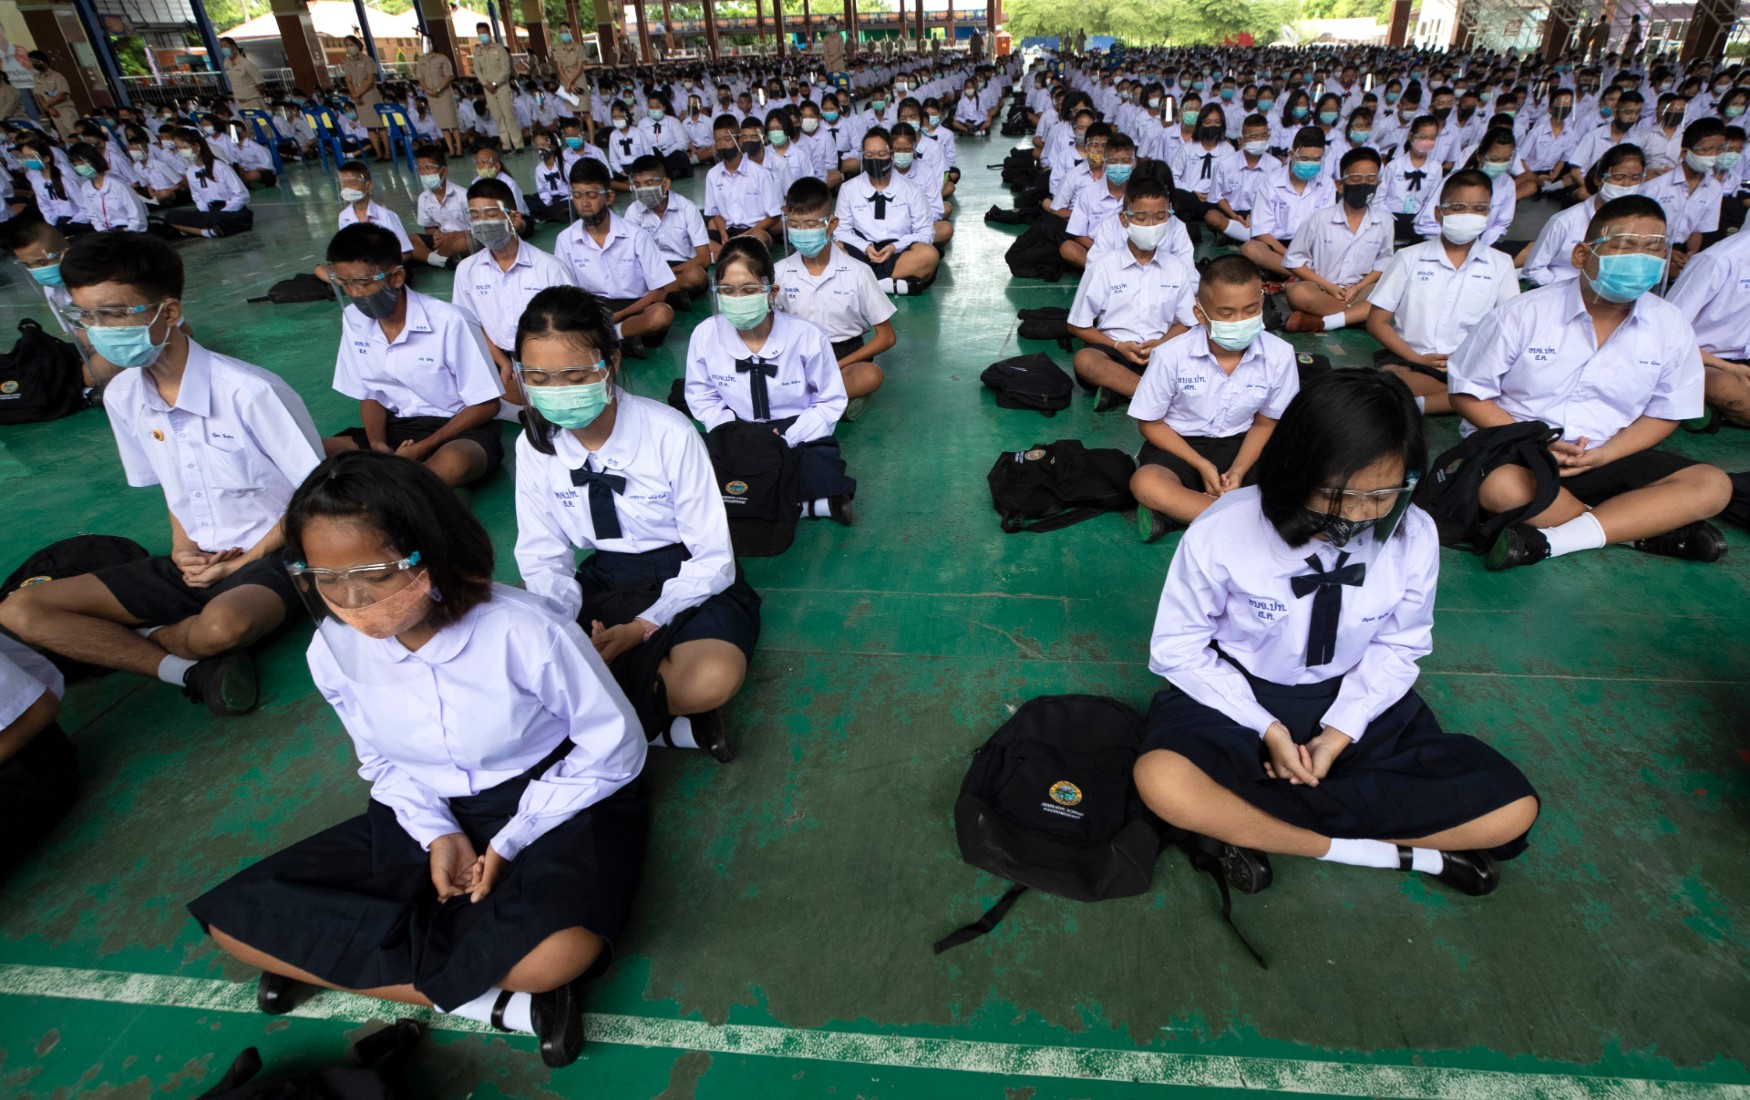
<point>382,1055</point>
<point>1045,323</point>
<point>302,287</point>
<point>1050,486</point>
<point>1029,382</point>
<point>72,557</point>
<point>1034,255</point>
<point>760,478</point>
<point>1449,492</point>
<point>40,378</point>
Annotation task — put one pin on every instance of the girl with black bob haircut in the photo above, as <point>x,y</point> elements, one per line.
<point>629,478</point>
<point>1289,629</point>
<point>493,868</point>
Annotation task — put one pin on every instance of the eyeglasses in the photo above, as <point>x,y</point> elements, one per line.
<point>807,223</point>
<point>564,376</point>
<point>112,316</point>
<point>359,576</point>
<point>1138,217</point>
<point>1624,244</point>
<point>49,259</point>
<point>1464,207</point>
<point>1366,496</point>
<point>498,214</point>
<point>1373,179</point>
<point>743,290</point>
<point>359,285</point>
<point>1624,177</point>
<point>594,194</point>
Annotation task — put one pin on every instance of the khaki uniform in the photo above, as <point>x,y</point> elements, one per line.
<point>11,103</point>
<point>492,66</point>
<point>832,51</point>
<point>245,78</point>
<point>357,70</point>
<point>63,114</point>
<point>569,57</point>
<point>434,68</point>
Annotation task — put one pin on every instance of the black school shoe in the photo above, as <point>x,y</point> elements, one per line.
<point>839,507</point>
<point>1698,541</point>
<point>709,734</point>
<point>226,683</point>
<point>1247,870</point>
<point>1109,399</point>
<point>1520,544</point>
<point>557,1017</point>
<point>276,994</point>
<point>1473,873</point>
<point>1152,526</point>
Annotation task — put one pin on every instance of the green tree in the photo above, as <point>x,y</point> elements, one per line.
<point>1156,22</point>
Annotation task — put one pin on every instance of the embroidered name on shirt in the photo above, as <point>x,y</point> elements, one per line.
<point>1267,610</point>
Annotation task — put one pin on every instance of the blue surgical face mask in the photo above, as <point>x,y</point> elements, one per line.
<point>1119,173</point>
<point>1494,169</point>
<point>1329,118</point>
<point>809,242</point>
<point>47,276</point>
<point>570,407</point>
<point>1307,169</point>
<point>1622,279</point>
<point>127,346</point>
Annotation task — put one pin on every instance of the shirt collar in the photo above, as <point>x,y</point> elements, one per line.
<point>776,340</point>
<point>445,645</point>
<point>621,446</point>
<point>1576,304</point>
<point>194,394</point>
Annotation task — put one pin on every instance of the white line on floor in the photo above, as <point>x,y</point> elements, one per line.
<point>955,1055</point>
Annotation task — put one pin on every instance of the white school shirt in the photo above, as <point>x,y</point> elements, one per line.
<point>1184,387</point>
<point>1400,194</point>
<point>788,167</point>
<point>1713,294</point>
<point>112,205</point>
<point>943,144</point>
<point>628,265</point>
<point>435,367</point>
<point>1131,300</point>
<point>1662,153</point>
<point>229,453</point>
<point>1278,209</point>
<point>1543,148</point>
<point>744,197</point>
<point>698,130</point>
<point>1552,254</point>
<point>1110,235</point>
<point>1190,162</point>
<point>377,214</point>
<point>252,155</point>
<point>1327,245</point>
<point>449,214</point>
<point>906,220</point>
<point>671,497</point>
<point>1435,305</point>
<point>1686,211</point>
<point>1230,584</point>
<point>25,677</point>
<point>665,136</point>
<point>927,178</point>
<point>626,146</point>
<point>807,386</point>
<point>497,297</point>
<point>486,699</point>
<point>1589,147</point>
<point>678,232</point>
<point>1503,204</point>
<point>845,300</point>
<point>1094,203</point>
<point>1535,358</point>
<point>823,156</point>
<point>1237,181</point>
<point>54,209</point>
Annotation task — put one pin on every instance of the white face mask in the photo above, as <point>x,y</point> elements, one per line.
<point>1257,148</point>
<point>1611,191</point>
<point>1147,237</point>
<point>1236,335</point>
<point>810,125</point>
<point>351,194</point>
<point>1463,228</point>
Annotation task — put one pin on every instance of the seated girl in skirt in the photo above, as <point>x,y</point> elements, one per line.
<point>1289,629</point>
<point>220,199</point>
<point>750,362</point>
<point>629,478</point>
<point>492,870</point>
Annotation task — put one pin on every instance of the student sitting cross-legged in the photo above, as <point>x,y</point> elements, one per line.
<point>426,390</point>
<point>1711,295</point>
<point>228,442</point>
<point>1339,251</point>
<point>1285,198</point>
<point>674,222</point>
<point>493,868</point>
<point>1433,294</point>
<point>497,283</point>
<point>1209,400</point>
<point>630,480</point>
<point>818,282</point>
<point>615,260</point>
<point>886,223</point>
<point>1615,369</point>
<point>1131,299</point>
<point>1289,629</point>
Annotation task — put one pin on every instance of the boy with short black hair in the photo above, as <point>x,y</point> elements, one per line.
<point>615,260</point>
<point>442,213</point>
<point>673,221</point>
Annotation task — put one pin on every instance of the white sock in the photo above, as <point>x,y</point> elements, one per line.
<point>1421,404</point>
<point>435,260</point>
<point>1334,322</point>
<point>1580,533</point>
<point>1361,853</point>
<point>1428,861</point>
<point>1236,231</point>
<point>680,733</point>
<point>886,285</point>
<point>208,233</point>
<point>901,288</point>
<point>174,670</point>
<point>817,509</point>
<point>516,1012</point>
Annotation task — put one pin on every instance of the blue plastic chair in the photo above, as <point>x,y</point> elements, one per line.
<point>261,124</point>
<point>327,128</point>
<point>400,133</point>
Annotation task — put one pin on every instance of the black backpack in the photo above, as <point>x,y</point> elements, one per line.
<point>72,557</point>
<point>379,1076</point>
<point>1034,255</point>
<point>1053,485</point>
<point>1449,492</point>
<point>302,287</point>
<point>40,378</point>
<point>1049,803</point>
<point>760,478</point>
<point>1029,382</point>
<point>1046,323</point>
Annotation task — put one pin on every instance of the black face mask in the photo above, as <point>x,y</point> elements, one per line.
<point>1337,530</point>
<point>1210,133</point>
<point>752,148</point>
<point>1440,113</point>
<point>726,156</point>
<point>593,220</point>
<point>877,167</point>
<point>1249,104</point>
<point>1560,113</point>
<point>379,305</point>
<point>1358,195</point>
<point>1465,113</point>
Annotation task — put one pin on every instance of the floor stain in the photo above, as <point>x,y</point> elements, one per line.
<point>683,1079</point>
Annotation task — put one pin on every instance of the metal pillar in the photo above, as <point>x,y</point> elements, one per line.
<point>364,29</point>
<point>710,9</point>
<point>101,48</point>
<point>1705,40</point>
<point>215,59</point>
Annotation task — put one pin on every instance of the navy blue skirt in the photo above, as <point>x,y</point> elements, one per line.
<point>354,904</point>
<point>1406,777</point>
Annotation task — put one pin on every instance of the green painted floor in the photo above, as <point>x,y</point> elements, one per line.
<point>780,946</point>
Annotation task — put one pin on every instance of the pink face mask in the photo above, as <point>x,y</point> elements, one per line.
<point>392,615</point>
<point>1422,146</point>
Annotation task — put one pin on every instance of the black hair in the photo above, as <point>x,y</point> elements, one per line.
<point>355,167</point>
<point>1308,137</point>
<point>880,133</point>
<point>904,130</point>
<point>807,196</point>
<point>1701,129</point>
<point>782,116</point>
<point>1629,206</point>
<point>749,251</point>
<point>1232,269</point>
<point>648,162</point>
<point>495,189</point>
<point>1119,142</point>
<point>365,243</point>
<point>564,311</point>
<point>1356,156</point>
<point>90,154</point>
<point>1612,157</point>
<point>1341,422</point>
<point>725,121</point>
<point>433,152</point>
<point>28,229</point>
<point>590,170</point>
<point>416,512</point>
<point>1144,185</point>
<point>131,259</point>
<point>1467,177</point>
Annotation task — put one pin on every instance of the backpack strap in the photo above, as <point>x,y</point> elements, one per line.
<point>1067,518</point>
<point>1204,860</point>
<point>1547,485</point>
<point>992,917</point>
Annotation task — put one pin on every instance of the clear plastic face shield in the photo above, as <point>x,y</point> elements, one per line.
<point>1346,513</point>
<point>333,591</point>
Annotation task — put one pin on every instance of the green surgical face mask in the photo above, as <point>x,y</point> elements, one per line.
<point>570,407</point>
<point>745,312</point>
